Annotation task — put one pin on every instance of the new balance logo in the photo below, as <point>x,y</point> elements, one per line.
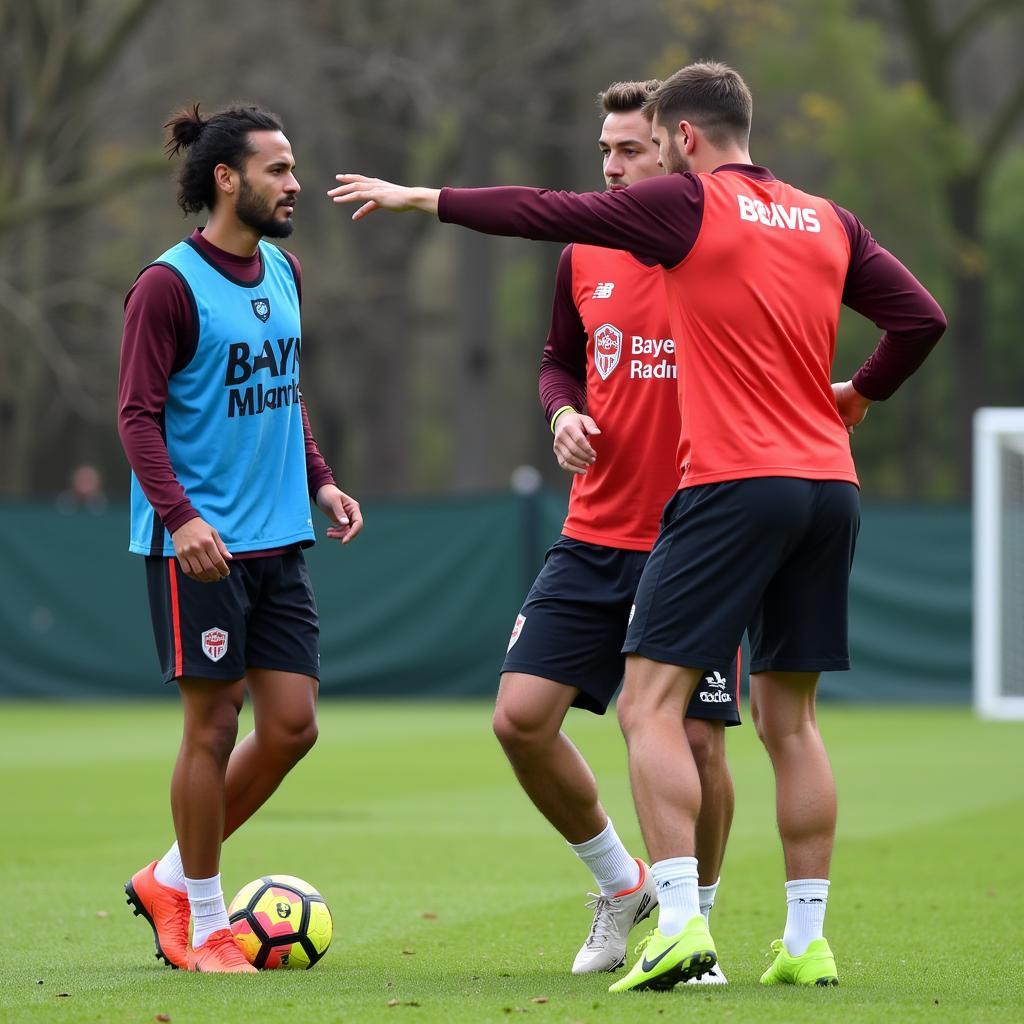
<point>603,290</point>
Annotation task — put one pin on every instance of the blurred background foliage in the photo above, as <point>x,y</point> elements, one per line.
<point>421,342</point>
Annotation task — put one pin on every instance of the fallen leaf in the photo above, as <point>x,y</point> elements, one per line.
<point>394,1002</point>
<point>408,952</point>
<point>102,913</point>
<point>429,916</point>
<point>539,999</point>
<point>162,1017</point>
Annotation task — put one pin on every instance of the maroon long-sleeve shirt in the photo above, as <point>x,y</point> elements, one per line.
<point>660,219</point>
<point>159,339</point>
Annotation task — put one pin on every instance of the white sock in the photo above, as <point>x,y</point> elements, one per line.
<point>676,882</point>
<point>169,871</point>
<point>614,869</point>
<point>208,911</point>
<point>805,913</point>
<point>706,895</point>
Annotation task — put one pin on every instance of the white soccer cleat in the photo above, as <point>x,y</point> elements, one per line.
<point>614,918</point>
<point>713,977</point>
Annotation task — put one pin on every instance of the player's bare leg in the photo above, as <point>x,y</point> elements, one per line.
<point>666,785</point>
<point>284,713</point>
<point>666,791</point>
<point>211,710</point>
<point>805,789</point>
<point>527,721</point>
<point>805,801</point>
<point>718,798</point>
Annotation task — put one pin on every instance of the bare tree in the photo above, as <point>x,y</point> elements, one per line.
<point>937,46</point>
<point>56,55</point>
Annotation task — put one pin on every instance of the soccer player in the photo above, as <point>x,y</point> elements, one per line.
<point>761,533</point>
<point>610,351</point>
<point>224,465</point>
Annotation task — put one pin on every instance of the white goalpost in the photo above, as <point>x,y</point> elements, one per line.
<point>999,563</point>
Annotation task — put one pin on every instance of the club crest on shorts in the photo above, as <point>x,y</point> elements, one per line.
<point>261,307</point>
<point>215,643</point>
<point>516,630</point>
<point>607,349</point>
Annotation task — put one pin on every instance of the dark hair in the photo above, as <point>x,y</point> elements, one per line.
<point>624,97</point>
<point>711,95</point>
<point>221,138</point>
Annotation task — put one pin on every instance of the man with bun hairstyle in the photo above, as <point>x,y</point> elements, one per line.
<point>607,384</point>
<point>761,533</point>
<point>224,465</point>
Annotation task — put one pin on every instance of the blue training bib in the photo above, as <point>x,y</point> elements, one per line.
<point>232,422</point>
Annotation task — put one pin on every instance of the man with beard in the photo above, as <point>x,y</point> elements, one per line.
<point>224,465</point>
<point>607,383</point>
<point>761,533</point>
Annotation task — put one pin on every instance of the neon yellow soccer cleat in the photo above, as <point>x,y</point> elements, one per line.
<point>815,966</point>
<point>666,960</point>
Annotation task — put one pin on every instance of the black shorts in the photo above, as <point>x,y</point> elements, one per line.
<point>572,625</point>
<point>263,615</point>
<point>770,555</point>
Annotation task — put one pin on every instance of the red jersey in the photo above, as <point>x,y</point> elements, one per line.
<point>757,302</point>
<point>622,319</point>
<point>756,271</point>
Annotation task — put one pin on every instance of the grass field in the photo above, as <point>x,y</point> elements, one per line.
<point>452,897</point>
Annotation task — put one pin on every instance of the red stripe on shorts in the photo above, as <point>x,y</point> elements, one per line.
<point>175,617</point>
<point>739,673</point>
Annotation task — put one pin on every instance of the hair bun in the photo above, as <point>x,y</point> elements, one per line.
<point>185,127</point>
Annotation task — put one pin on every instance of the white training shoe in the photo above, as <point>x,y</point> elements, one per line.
<point>712,977</point>
<point>614,917</point>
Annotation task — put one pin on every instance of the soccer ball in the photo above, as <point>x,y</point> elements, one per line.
<point>281,921</point>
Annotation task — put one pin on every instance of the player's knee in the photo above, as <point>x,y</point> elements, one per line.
<point>628,713</point>
<point>517,730</point>
<point>292,744</point>
<point>216,734</point>
<point>707,744</point>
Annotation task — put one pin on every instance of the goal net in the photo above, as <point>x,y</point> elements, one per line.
<point>999,563</point>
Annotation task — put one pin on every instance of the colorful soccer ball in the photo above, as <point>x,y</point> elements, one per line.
<point>281,921</point>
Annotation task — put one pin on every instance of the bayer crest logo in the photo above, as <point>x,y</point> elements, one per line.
<point>261,307</point>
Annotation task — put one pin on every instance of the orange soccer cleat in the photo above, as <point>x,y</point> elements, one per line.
<point>167,911</point>
<point>220,954</point>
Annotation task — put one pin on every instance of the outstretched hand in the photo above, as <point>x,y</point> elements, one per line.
<point>375,194</point>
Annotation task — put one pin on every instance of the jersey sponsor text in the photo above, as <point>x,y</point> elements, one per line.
<point>278,358</point>
<point>775,215</point>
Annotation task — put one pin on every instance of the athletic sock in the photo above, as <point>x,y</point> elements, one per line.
<point>805,913</point>
<point>169,871</point>
<point>614,869</point>
<point>706,895</point>
<point>676,882</point>
<point>208,911</point>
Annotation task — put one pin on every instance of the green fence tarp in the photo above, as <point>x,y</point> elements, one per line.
<point>423,603</point>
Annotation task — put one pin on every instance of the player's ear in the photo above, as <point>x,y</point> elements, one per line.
<point>686,134</point>
<point>224,178</point>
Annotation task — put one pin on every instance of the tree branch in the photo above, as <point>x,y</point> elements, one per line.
<point>999,131</point>
<point>94,63</point>
<point>973,20</point>
<point>82,193</point>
